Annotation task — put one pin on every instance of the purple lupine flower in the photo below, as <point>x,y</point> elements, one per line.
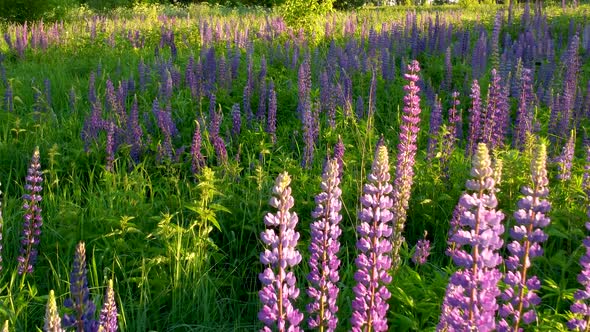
<point>108,313</point>
<point>455,118</point>
<point>490,122</point>
<point>324,247</point>
<point>404,172</point>
<point>436,120</point>
<point>52,320</point>
<point>271,127</point>
<point>33,220</point>
<point>197,159</point>
<point>339,150</point>
<point>564,161</point>
<point>454,226</point>
<point>470,299</point>
<point>110,148</point>
<point>281,255</point>
<point>525,113</point>
<point>531,217</point>
<point>134,132</point>
<point>236,120</point>
<point>374,248</point>
<point>82,318</point>
<point>422,251</point>
<point>581,307</point>
<point>448,79</point>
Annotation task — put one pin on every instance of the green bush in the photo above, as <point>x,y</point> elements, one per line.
<point>23,10</point>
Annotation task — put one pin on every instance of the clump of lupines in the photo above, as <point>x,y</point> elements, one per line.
<point>519,297</point>
<point>374,259</point>
<point>279,282</point>
<point>108,313</point>
<point>33,219</point>
<point>470,299</point>
<point>324,247</point>
<point>422,251</point>
<point>404,172</point>
<point>564,161</point>
<point>52,319</point>
<point>82,318</point>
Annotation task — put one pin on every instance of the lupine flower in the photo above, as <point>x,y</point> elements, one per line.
<point>271,127</point>
<point>374,258</point>
<point>581,306</point>
<point>108,313</point>
<point>491,117</point>
<point>324,247</point>
<point>82,318</point>
<point>525,113</point>
<point>33,219</point>
<point>455,118</point>
<point>564,161</point>
<point>236,120</point>
<point>404,172</point>
<point>197,160</point>
<point>436,120</point>
<point>531,217</point>
<point>135,133</point>
<point>475,120</point>
<point>339,150</point>
<point>422,251</point>
<point>470,299</point>
<point>110,147</point>
<point>281,255</point>
<point>52,319</point>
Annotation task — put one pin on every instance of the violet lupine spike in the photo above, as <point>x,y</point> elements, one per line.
<point>475,119</point>
<point>324,247</point>
<point>422,251</point>
<point>110,148</point>
<point>271,127</point>
<point>520,296</point>
<point>470,299</point>
<point>236,115</point>
<point>404,172</point>
<point>197,159</point>
<point>33,220</point>
<point>525,113</point>
<point>82,317</point>
<point>339,150</point>
<point>134,132</point>
<point>52,319</point>
<point>455,119</point>
<point>564,161</point>
<point>491,117</point>
<point>436,120</point>
<point>374,248</point>
<point>108,314</point>
<point>280,256</point>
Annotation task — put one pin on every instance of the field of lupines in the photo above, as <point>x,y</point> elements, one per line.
<point>209,169</point>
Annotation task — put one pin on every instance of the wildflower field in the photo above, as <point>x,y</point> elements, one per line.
<point>204,168</point>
